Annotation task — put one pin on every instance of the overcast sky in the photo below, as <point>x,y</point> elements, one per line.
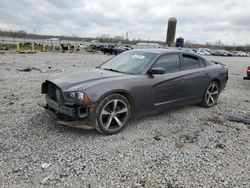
<point>198,21</point>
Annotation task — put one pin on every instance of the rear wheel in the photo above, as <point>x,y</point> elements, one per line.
<point>211,96</point>
<point>112,114</point>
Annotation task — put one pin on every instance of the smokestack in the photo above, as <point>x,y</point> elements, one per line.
<point>171,31</point>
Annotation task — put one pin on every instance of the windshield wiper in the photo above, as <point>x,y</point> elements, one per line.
<point>112,70</point>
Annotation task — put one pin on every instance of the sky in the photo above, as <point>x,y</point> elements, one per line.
<point>198,21</point>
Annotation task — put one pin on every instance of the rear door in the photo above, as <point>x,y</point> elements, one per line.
<point>196,76</point>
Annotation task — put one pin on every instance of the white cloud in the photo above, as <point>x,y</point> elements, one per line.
<point>199,21</point>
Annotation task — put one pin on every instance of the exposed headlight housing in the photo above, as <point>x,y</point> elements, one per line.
<point>72,94</point>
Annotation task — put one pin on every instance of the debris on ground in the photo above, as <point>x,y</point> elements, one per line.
<point>157,137</point>
<point>27,52</point>
<point>28,69</point>
<point>179,145</point>
<point>220,146</point>
<point>238,119</point>
<point>189,139</point>
<point>11,103</point>
<point>45,165</point>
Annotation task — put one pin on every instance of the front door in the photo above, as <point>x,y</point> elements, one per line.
<point>170,87</point>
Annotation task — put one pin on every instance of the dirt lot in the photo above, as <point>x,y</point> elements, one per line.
<point>185,147</point>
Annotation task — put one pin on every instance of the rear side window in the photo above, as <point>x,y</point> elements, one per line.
<point>170,62</point>
<point>190,62</point>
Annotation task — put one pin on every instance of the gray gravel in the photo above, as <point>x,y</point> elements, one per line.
<point>184,147</point>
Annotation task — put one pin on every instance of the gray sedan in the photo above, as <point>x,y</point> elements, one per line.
<point>134,83</point>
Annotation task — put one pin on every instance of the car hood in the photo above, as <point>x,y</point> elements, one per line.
<point>79,79</point>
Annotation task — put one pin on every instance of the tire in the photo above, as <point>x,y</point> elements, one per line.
<point>211,95</point>
<point>112,114</point>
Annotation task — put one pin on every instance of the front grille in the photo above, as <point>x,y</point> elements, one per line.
<point>52,91</point>
<point>55,93</point>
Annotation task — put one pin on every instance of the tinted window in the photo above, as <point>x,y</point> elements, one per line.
<point>190,62</point>
<point>170,62</point>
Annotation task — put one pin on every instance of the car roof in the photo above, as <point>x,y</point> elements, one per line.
<point>162,50</point>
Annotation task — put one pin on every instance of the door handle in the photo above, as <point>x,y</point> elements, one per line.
<point>181,80</point>
<point>207,74</point>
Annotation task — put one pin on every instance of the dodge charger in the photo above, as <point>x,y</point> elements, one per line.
<point>134,83</point>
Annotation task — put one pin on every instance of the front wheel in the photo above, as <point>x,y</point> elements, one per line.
<point>211,96</point>
<point>112,114</point>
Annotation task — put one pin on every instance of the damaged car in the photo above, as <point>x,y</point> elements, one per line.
<point>132,84</point>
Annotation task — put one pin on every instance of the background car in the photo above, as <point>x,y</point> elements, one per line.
<point>134,83</point>
<point>248,71</point>
<point>203,51</point>
<point>242,54</point>
<point>248,74</point>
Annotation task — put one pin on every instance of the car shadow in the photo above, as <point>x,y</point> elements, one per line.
<point>43,125</point>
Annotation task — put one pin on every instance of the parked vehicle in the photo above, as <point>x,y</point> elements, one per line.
<point>186,50</point>
<point>134,83</point>
<point>203,51</point>
<point>217,53</point>
<point>242,54</point>
<point>248,74</point>
<point>223,52</point>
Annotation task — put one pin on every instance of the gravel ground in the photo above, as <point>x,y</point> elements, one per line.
<point>184,147</point>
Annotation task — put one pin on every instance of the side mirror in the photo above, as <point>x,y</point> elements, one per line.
<point>156,70</point>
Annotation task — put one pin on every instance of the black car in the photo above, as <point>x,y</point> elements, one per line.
<point>132,84</point>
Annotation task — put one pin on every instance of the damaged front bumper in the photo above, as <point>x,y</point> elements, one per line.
<point>70,114</point>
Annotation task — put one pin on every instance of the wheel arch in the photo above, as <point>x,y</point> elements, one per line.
<point>217,81</point>
<point>124,93</point>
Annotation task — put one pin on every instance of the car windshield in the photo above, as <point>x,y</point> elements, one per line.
<point>131,62</point>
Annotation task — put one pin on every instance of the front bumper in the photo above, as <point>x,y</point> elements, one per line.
<point>71,115</point>
<point>248,76</point>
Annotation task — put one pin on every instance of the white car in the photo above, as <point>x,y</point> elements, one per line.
<point>203,51</point>
<point>242,54</point>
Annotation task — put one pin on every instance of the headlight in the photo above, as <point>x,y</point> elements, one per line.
<point>83,97</point>
<point>72,94</point>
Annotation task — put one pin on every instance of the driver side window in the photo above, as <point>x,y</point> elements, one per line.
<point>170,62</point>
